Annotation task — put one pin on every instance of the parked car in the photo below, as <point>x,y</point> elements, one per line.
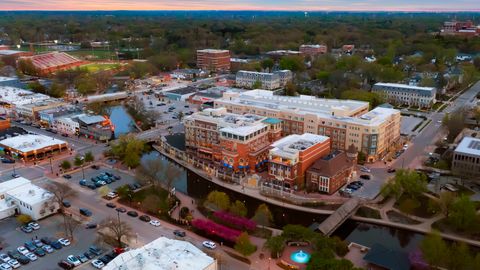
<point>365,176</point>
<point>112,195</point>
<point>4,257</point>
<point>145,218</point>
<point>391,170</point>
<point>92,186</point>
<point>14,263</point>
<point>38,243</point>
<point>121,209</point>
<point>56,245</point>
<point>98,264</point>
<point>95,167</point>
<point>30,246</point>
<point>83,182</point>
<point>5,266</point>
<point>132,213</point>
<point>26,229</point>
<point>65,265</point>
<point>22,250</point>
<point>48,249</point>
<point>85,212</point>
<point>32,257</point>
<point>39,252</point>
<point>46,240</point>
<point>95,250</point>
<point>89,255</point>
<point>155,223</point>
<point>66,203</point>
<point>111,205</point>
<point>82,258</point>
<point>64,241</point>
<point>7,160</point>
<point>105,259</point>
<point>364,169</point>
<point>209,244</point>
<point>23,259</point>
<point>15,175</point>
<point>91,226</point>
<point>73,260</point>
<point>179,233</point>
<point>67,176</point>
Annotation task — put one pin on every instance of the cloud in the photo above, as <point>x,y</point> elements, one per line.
<point>407,5</point>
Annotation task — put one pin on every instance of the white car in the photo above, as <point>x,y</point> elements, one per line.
<point>5,266</point>
<point>112,195</point>
<point>98,264</point>
<point>22,250</point>
<point>73,260</point>
<point>365,169</point>
<point>64,241</point>
<point>405,146</point>
<point>154,222</point>
<point>34,225</point>
<point>4,257</point>
<point>209,244</point>
<point>14,263</point>
<point>31,256</point>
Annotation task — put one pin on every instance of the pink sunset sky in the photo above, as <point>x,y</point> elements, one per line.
<point>365,5</point>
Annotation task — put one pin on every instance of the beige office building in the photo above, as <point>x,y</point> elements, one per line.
<point>346,122</point>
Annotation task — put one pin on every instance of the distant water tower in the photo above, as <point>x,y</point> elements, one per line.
<point>306,14</point>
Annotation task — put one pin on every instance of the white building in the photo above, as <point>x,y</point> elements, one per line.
<point>32,146</point>
<point>163,254</point>
<point>268,81</point>
<point>20,196</point>
<point>66,125</point>
<point>404,94</point>
<point>466,158</point>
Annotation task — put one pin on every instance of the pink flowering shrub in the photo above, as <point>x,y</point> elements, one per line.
<point>213,228</point>
<point>234,221</point>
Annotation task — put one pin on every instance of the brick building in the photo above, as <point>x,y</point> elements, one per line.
<point>234,142</point>
<point>313,50</point>
<point>330,172</point>
<point>346,122</point>
<point>213,60</point>
<point>462,28</point>
<point>48,63</point>
<point>291,156</point>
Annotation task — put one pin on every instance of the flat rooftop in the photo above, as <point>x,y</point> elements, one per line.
<point>29,193</point>
<point>18,96</point>
<point>163,254</point>
<point>292,145</point>
<point>337,109</point>
<point>30,142</point>
<point>10,52</point>
<point>183,90</point>
<point>213,51</point>
<point>13,184</point>
<point>469,146</point>
<point>404,86</point>
<point>6,79</point>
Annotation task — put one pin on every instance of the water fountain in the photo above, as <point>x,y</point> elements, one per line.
<point>300,256</point>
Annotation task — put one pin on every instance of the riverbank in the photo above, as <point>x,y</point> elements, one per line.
<point>423,228</point>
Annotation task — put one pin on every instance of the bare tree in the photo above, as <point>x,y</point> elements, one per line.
<point>155,172</point>
<point>60,192</point>
<point>71,224</point>
<point>116,230</point>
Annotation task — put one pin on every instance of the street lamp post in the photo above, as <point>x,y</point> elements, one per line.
<point>51,166</point>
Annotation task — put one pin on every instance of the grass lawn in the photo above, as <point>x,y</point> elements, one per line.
<point>422,206</point>
<point>444,226</point>
<point>368,212</point>
<point>437,105</point>
<point>95,67</point>
<point>152,200</point>
<point>96,54</point>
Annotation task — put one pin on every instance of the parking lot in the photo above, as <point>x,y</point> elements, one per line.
<point>92,173</point>
<point>12,237</point>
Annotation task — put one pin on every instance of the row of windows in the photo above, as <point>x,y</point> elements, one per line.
<point>25,205</point>
<point>459,157</point>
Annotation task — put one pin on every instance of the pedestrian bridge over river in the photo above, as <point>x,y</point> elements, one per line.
<point>329,225</point>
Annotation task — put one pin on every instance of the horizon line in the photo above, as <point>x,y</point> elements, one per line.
<point>264,10</point>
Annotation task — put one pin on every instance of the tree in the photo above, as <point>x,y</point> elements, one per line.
<point>79,161</point>
<point>128,149</point>
<point>116,230</point>
<point>103,191</point>
<point>37,87</point>
<point>218,200</point>
<point>65,165</point>
<point>24,219</point>
<point>373,98</point>
<point>89,157</point>
<point>180,116</point>
<point>276,245</point>
<point>290,89</point>
<point>267,63</point>
<point>243,244</point>
<point>85,84</point>
<point>434,249</point>
<point>125,193</point>
<point>476,114</point>
<point>62,191</point>
<point>463,214</point>
<point>476,62</point>
<point>263,216</point>
<point>26,67</point>
<point>293,63</point>
<point>408,182</point>
<point>454,122</point>
<point>238,208</point>
<point>152,204</point>
<point>257,85</point>
<point>57,90</point>
<point>71,225</point>
<point>446,202</point>
<point>156,172</point>
<point>460,257</point>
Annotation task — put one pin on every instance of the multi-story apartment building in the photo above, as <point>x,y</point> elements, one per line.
<point>291,156</point>
<point>466,158</point>
<point>265,80</point>
<point>330,172</point>
<point>346,122</point>
<point>465,28</point>
<point>236,142</point>
<point>313,50</point>
<point>213,60</point>
<point>404,94</point>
